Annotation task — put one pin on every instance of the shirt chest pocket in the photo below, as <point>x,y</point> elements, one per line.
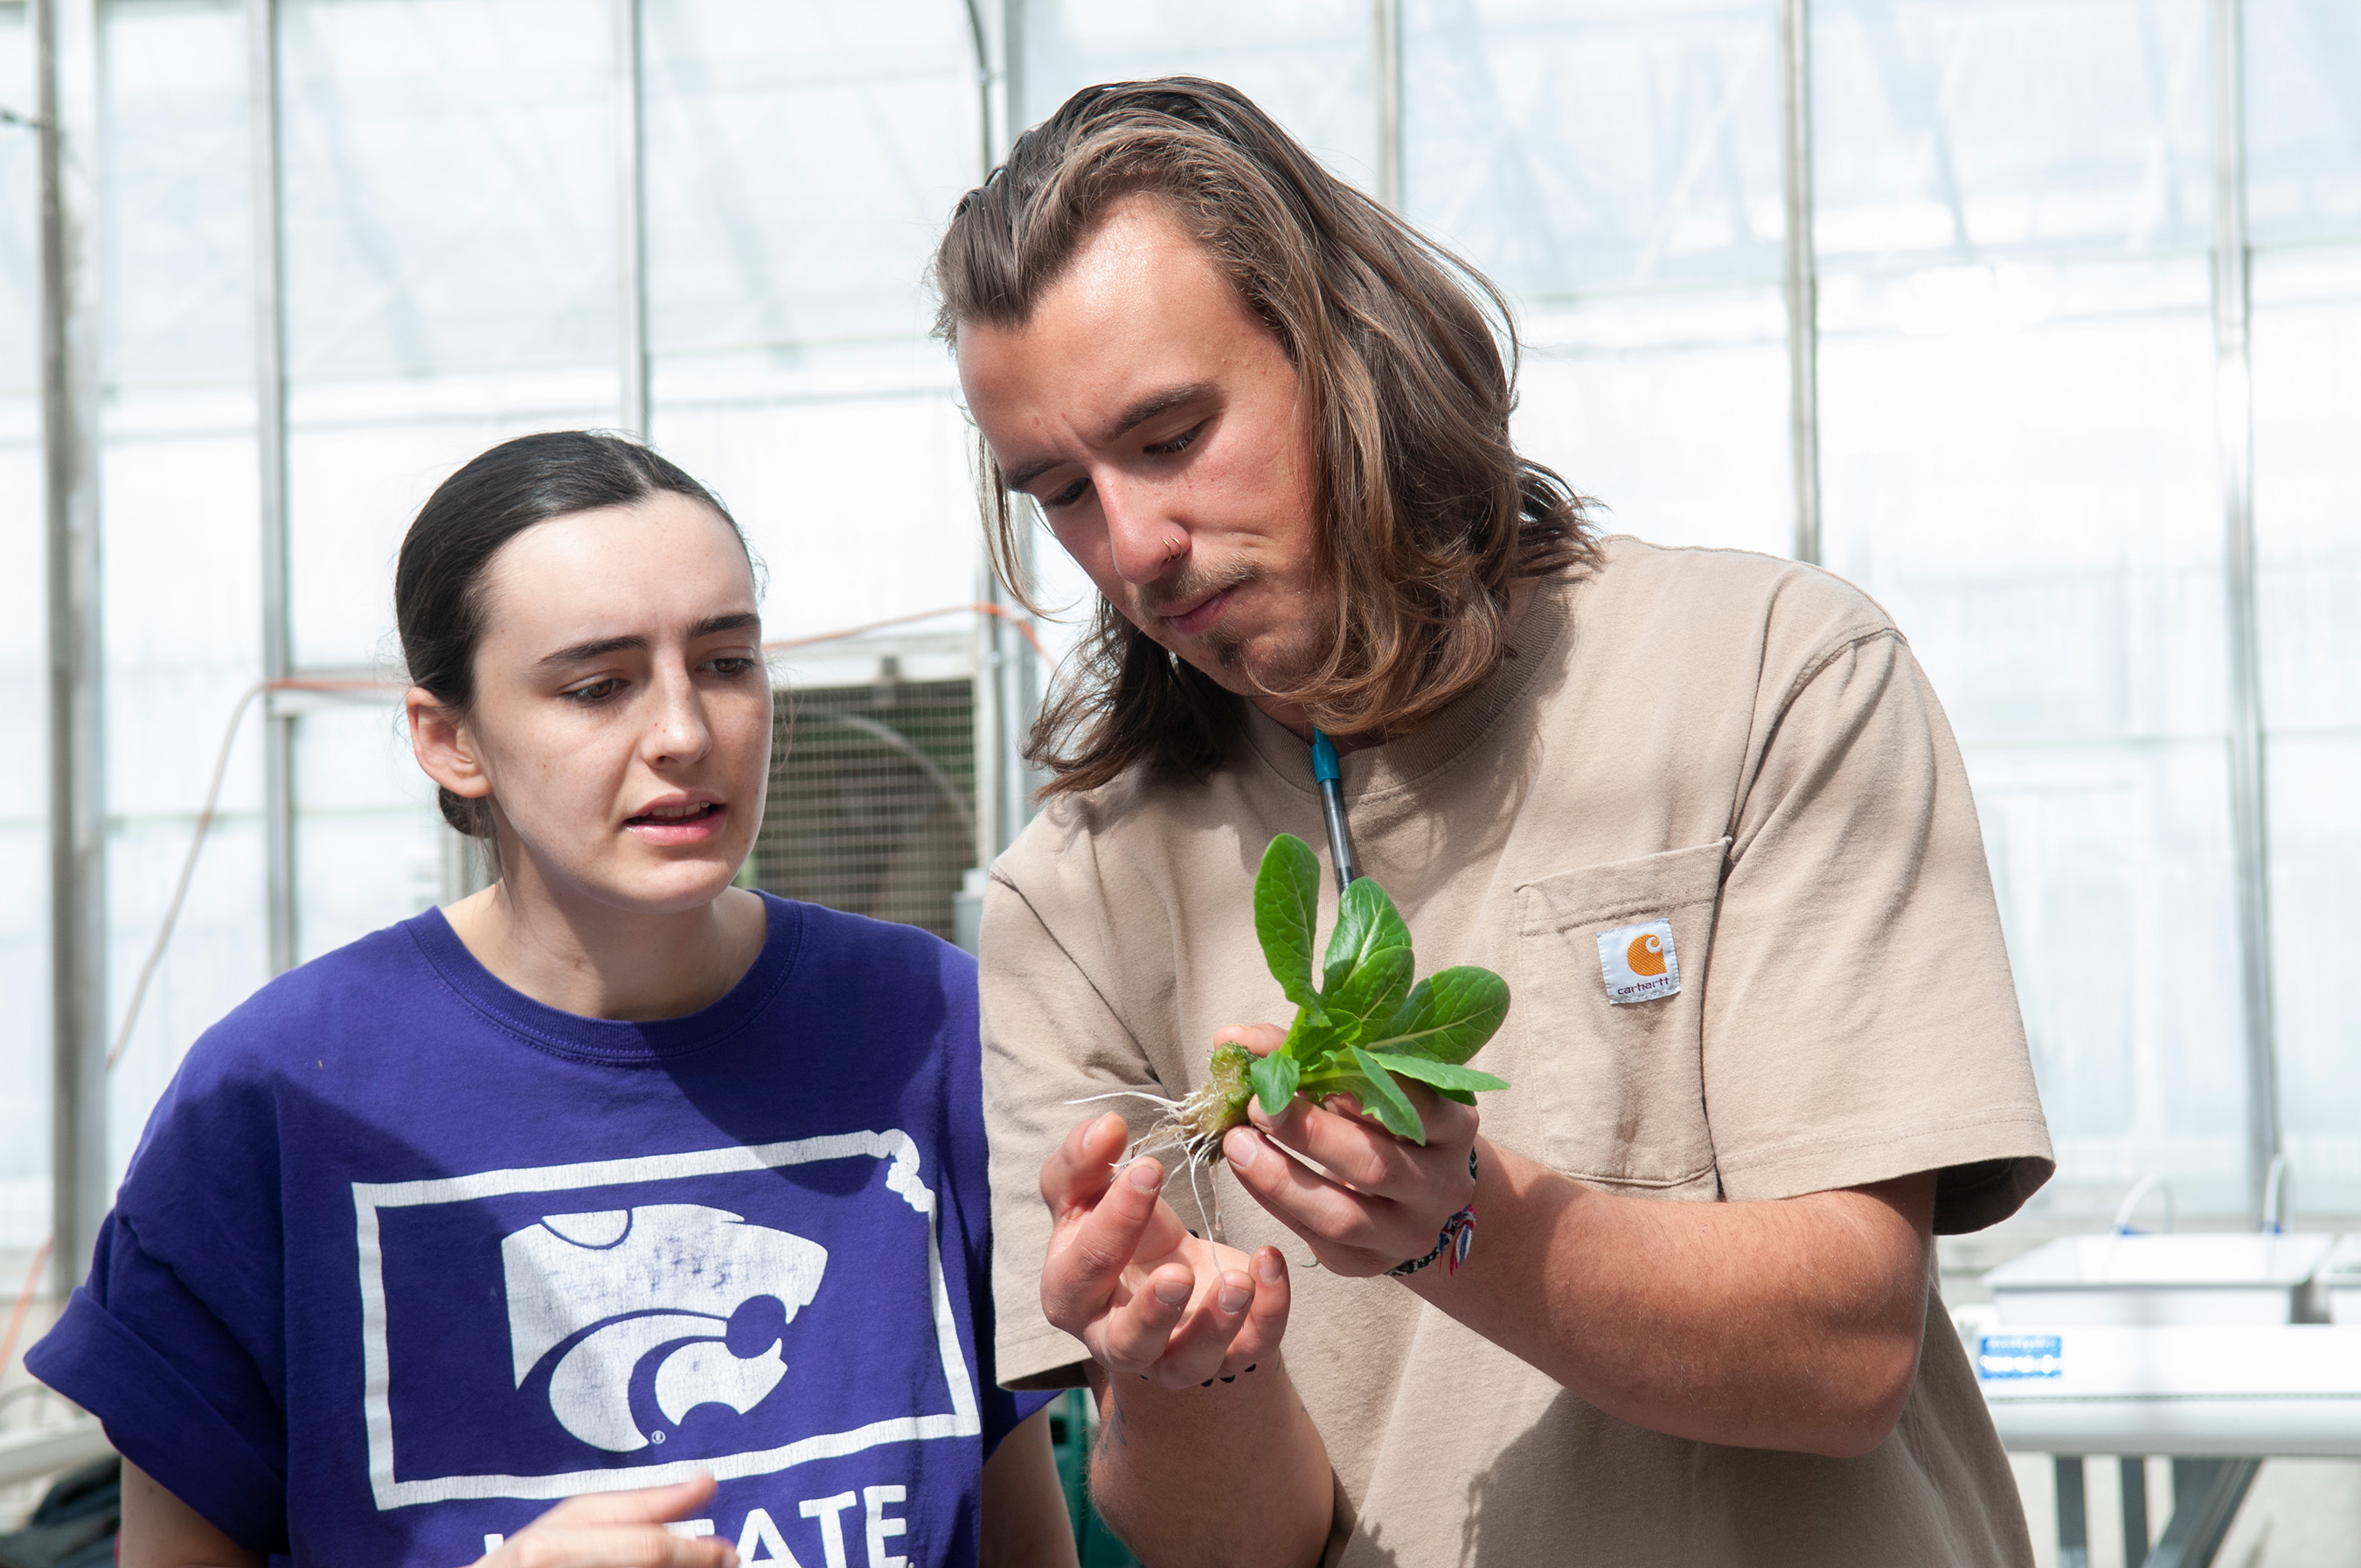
<point>1610,998</point>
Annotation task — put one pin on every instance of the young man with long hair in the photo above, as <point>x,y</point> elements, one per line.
<point>1700,808</point>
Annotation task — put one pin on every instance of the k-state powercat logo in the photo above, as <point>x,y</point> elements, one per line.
<point>542,1330</point>
<point>608,1290</point>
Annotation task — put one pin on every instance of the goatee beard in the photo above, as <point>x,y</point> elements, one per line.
<point>1282,665</point>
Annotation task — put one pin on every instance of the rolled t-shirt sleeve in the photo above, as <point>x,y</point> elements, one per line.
<point>178,1396</point>
<point>1861,1022</point>
<point>176,1341</point>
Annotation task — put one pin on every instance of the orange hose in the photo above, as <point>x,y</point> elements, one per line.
<point>24,1304</point>
<point>1022,623</point>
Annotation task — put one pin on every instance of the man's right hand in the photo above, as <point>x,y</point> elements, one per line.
<point>1126,1277</point>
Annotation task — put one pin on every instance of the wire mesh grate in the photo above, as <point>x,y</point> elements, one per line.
<point>871,806</point>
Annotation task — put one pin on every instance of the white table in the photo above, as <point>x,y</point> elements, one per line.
<point>2217,1399</point>
<point>29,1454</point>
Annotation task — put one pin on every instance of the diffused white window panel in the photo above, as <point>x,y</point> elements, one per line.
<point>178,489</point>
<point>1979,127</point>
<point>1614,167</point>
<point>2304,120</point>
<point>1573,148</point>
<point>860,508</point>
<point>2018,463</point>
<point>2307,364</point>
<point>450,202</point>
<point>2018,459</point>
<point>802,159</point>
<point>1310,64</point>
<point>450,187</point>
<point>24,662</point>
<point>1669,411</point>
<point>177,234</point>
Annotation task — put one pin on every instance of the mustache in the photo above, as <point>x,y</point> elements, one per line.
<point>1194,585</point>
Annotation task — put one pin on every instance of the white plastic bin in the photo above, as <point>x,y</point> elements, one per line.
<point>2231,1279</point>
<point>2340,1280</point>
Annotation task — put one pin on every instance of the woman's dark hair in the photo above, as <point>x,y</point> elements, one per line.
<point>1425,511</point>
<point>438,583</point>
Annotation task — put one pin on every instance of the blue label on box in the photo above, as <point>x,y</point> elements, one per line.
<point>2003,1356</point>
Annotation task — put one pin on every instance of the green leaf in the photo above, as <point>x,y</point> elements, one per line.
<point>1381,1097</point>
<point>1287,913</point>
<point>1444,1075</point>
<point>1370,994</point>
<point>1274,1078</point>
<point>1447,1017</point>
<point>1311,1040</point>
<point>1366,923</point>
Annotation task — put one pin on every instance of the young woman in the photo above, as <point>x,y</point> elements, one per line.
<point>612,1182</point>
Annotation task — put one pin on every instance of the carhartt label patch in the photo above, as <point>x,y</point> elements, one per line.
<point>1638,962</point>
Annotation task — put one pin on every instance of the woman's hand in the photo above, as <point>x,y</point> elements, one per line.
<point>1126,1277</point>
<point>617,1530</point>
<point>1383,1201</point>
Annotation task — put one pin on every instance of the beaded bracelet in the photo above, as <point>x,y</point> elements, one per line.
<point>1458,1236</point>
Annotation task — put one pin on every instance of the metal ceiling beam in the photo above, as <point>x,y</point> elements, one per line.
<point>1386,20</point>
<point>1802,275</point>
<point>2233,407</point>
<point>1012,72</point>
<point>631,213</point>
<point>271,475</point>
<point>1007,682</point>
<point>65,51</point>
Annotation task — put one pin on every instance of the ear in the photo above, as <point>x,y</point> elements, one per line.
<point>443,746</point>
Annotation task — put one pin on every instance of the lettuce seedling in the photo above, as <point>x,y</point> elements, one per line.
<point>1363,1028</point>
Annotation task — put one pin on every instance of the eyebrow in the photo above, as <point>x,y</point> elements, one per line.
<point>1139,413</point>
<point>601,647</point>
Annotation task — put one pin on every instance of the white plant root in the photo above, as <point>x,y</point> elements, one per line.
<point>1169,1133</point>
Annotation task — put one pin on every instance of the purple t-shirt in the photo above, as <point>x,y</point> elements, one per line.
<point>405,1256</point>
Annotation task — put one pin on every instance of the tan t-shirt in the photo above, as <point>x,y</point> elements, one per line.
<point>1740,746</point>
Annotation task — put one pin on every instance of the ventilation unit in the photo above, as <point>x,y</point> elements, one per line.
<point>873,798</point>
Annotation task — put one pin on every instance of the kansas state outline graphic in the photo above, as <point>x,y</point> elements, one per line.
<point>626,1322</point>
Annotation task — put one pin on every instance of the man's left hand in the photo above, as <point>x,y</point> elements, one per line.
<point>1383,1199</point>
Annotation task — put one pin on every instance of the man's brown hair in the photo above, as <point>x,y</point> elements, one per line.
<point>1424,511</point>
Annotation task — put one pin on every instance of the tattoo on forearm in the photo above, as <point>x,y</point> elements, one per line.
<point>1110,1428</point>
